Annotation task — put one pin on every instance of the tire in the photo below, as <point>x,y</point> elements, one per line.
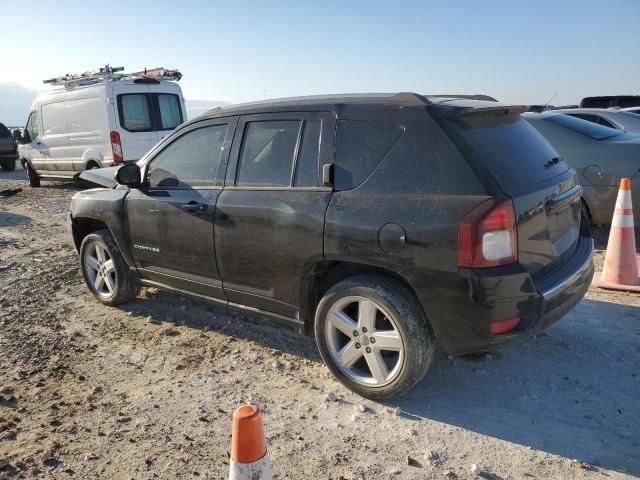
<point>410,344</point>
<point>111,283</point>
<point>32,176</point>
<point>584,212</point>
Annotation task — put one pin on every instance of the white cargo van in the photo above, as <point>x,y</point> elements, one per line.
<point>97,119</point>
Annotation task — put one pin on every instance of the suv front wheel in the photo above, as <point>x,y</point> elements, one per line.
<point>373,337</point>
<point>105,271</point>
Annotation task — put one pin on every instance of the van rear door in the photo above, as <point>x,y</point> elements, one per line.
<point>133,115</point>
<point>511,157</point>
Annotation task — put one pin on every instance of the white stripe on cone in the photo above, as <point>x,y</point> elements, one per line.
<point>624,199</point>
<point>622,221</point>
<point>258,470</point>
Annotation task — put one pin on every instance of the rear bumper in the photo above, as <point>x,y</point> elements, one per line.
<point>503,293</point>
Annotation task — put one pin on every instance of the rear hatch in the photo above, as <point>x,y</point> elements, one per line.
<point>512,158</point>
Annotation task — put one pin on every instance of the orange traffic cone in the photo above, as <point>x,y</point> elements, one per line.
<point>620,271</point>
<point>249,459</point>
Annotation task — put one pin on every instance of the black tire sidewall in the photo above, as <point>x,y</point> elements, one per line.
<point>32,176</point>
<point>417,339</point>
<point>125,288</point>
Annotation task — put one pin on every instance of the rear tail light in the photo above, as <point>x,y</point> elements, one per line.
<point>504,326</point>
<point>488,236</point>
<point>116,147</point>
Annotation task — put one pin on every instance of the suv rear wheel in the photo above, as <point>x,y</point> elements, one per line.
<point>373,337</point>
<point>104,270</point>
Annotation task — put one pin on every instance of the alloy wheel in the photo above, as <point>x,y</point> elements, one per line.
<point>100,270</point>
<point>364,341</point>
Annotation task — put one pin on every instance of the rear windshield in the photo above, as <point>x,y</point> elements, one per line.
<point>584,127</point>
<point>505,145</point>
<point>4,131</point>
<point>148,112</point>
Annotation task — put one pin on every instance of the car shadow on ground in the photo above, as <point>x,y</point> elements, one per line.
<point>572,391</point>
<point>12,219</point>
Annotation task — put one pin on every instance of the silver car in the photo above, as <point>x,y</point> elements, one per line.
<point>601,156</point>
<point>627,121</point>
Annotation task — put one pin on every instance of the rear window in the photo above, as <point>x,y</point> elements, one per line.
<point>595,131</point>
<point>511,150</point>
<point>148,112</point>
<point>4,131</point>
<point>360,147</point>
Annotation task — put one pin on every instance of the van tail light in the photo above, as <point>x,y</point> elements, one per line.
<point>488,235</point>
<point>116,147</point>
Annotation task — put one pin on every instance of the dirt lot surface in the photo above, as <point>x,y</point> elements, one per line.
<point>147,390</point>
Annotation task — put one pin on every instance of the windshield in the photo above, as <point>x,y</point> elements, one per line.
<point>584,127</point>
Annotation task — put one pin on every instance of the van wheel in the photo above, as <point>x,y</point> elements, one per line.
<point>373,337</point>
<point>104,270</point>
<point>32,176</point>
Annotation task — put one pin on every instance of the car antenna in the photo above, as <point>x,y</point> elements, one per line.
<point>547,102</point>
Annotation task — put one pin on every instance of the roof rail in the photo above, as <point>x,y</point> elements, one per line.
<point>109,73</point>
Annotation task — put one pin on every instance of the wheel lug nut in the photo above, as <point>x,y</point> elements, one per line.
<point>364,329</point>
<point>355,333</point>
<point>357,345</point>
<point>368,349</point>
<point>373,340</point>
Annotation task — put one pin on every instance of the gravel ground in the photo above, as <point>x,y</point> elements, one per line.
<point>147,390</point>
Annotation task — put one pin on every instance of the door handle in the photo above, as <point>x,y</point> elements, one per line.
<point>194,207</point>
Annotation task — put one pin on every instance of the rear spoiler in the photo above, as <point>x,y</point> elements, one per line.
<point>456,111</point>
<point>486,98</point>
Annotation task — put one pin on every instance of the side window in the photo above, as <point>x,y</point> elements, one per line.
<point>135,112</point>
<point>266,156</point>
<point>32,126</point>
<point>360,147</point>
<point>170,112</point>
<point>606,123</point>
<point>584,116</point>
<point>307,169</point>
<point>192,160</point>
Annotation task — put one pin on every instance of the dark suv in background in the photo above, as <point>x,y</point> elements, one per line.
<point>8,149</point>
<point>383,224</point>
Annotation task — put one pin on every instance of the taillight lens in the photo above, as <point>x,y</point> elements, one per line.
<point>504,326</point>
<point>488,236</point>
<point>116,147</point>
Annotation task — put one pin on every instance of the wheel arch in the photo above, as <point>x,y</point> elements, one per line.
<point>323,275</point>
<point>83,226</point>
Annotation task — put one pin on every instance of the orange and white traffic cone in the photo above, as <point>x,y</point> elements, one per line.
<point>620,270</point>
<point>249,459</point>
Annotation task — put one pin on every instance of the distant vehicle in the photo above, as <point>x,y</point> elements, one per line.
<point>635,110</point>
<point>620,101</point>
<point>613,118</point>
<point>98,119</point>
<point>383,224</point>
<point>8,149</point>
<point>601,155</point>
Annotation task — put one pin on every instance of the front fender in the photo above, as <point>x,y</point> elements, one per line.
<point>105,205</point>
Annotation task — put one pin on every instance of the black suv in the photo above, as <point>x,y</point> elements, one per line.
<point>383,224</point>
<point>8,149</point>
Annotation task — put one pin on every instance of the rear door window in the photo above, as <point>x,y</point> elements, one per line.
<point>149,112</point>
<point>595,131</point>
<point>360,147</point>
<point>513,151</point>
<point>267,153</point>
<point>308,166</point>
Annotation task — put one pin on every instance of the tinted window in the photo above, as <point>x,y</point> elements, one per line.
<point>583,116</point>
<point>512,151</point>
<point>135,112</point>
<point>597,132</point>
<point>605,122</point>
<point>191,160</point>
<point>360,147</point>
<point>266,158</point>
<point>32,126</point>
<point>307,170</point>
<point>4,131</point>
<point>170,113</point>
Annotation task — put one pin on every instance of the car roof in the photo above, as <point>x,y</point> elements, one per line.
<point>333,102</point>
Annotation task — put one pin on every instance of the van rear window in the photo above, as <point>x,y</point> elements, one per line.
<point>505,145</point>
<point>148,112</point>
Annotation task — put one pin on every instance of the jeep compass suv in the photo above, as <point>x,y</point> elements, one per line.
<point>383,224</point>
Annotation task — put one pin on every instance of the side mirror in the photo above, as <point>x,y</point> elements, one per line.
<point>128,175</point>
<point>17,136</point>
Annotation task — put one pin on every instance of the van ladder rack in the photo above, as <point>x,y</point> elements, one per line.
<point>109,73</point>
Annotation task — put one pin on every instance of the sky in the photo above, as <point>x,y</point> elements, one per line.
<point>517,51</point>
